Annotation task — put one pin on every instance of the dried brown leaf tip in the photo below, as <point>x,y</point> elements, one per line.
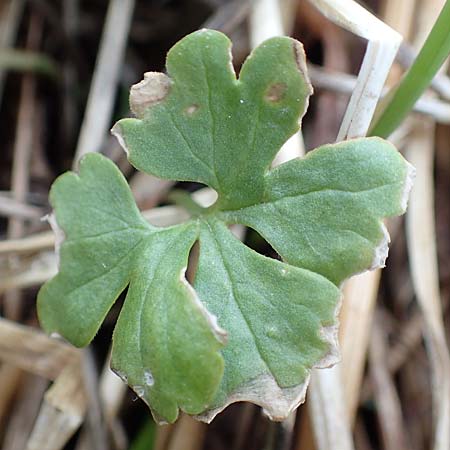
<point>151,90</point>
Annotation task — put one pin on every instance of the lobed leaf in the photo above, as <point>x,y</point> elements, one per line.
<point>102,232</point>
<point>275,315</point>
<point>202,124</point>
<point>165,343</point>
<point>322,214</point>
<point>164,321</point>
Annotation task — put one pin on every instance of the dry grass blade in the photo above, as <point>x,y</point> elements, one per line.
<point>409,339</point>
<point>20,171</point>
<point>163,435</point>
<point>386,398</point>
<point>188,434</point>
<point>228,16</point>
<point>330,107</point>
<point>360,295</point>
<point>10,15</point>
<point>71,23</point>
<point>64,403</point>
<point>30,273</point>
<point>12,208</point>
<point>62,412</point>
<point>24,412</point>
<point>400,352</point>
<point>162,216</point>
<point>243,426</point>
<point>362,441</point>
<point>29,244</point>
<point>97,116</point>
<point>421,237</point>
<point>423,261</point>
<point>10,377</point>
<point>383,43</point>
<point>95,425</point>
<point>266,21</point>
<point>341,82</point>
<point>33,351</point>
<point>112,393</point>
<point>327,409</point>
<point>398,15</point>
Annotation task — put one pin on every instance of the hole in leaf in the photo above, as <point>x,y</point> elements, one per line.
<point>275,92</point>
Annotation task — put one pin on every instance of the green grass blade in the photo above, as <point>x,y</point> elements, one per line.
<point>431,57</point>
<point>145,439</point>
<point>25,61</point>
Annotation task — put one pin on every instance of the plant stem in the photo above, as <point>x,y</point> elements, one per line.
<point>185,200</point>
<point>417,79</point>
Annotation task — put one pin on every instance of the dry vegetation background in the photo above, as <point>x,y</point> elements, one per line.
<point>65,70</point>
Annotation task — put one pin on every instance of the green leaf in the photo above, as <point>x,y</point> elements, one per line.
<point>165,343</point>
<point>217,130</point>
<point>322,214</point>
<point>276,316</point>
<point>102,231</point>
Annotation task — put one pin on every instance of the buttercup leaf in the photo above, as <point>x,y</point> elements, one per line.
<point>323,212</point>
<point>205,125</point>
<point>251,327</point>
<point>276,316</point>
<point>165,343</point>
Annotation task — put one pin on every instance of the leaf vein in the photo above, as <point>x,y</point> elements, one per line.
<point>230,279</point>
<point>107,233</point>
<point>189,147</point>
<point>106,272</point>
